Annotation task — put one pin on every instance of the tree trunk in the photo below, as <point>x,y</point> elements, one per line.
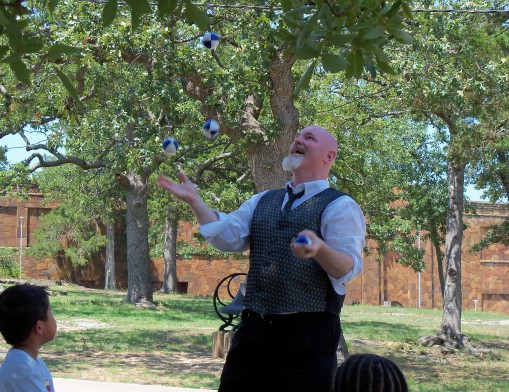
<point>502,174</point>
<point>450,331</point>
<point>435,239</point>
<point>265,157</point>
<point>139,279</point>
<point>170,254</point>
<point>110,257</point>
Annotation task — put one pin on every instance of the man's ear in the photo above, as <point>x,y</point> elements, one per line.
<point>331,156</point>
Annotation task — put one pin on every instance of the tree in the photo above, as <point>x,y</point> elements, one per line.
<point>67,120</point>
<point>86,201</point>
<point>129,152</point>
<point>362,29</point>
<point>441,78</point>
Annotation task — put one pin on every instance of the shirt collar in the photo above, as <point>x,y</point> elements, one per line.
<point>309,187</point>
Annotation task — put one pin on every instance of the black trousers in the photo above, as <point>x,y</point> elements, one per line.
<point>284,353</point>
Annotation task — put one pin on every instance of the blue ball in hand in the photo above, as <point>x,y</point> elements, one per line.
<point>302,240</point>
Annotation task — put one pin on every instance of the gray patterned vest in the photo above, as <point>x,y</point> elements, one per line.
<point>279,282</point>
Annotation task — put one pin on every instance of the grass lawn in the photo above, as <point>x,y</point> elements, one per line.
<point>101,338</point>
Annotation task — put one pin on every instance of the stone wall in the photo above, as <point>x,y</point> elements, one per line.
<point>485,275</point>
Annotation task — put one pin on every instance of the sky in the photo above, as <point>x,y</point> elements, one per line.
<point>16,152</point>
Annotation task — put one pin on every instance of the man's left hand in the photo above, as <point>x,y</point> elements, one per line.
<point>306,251</point>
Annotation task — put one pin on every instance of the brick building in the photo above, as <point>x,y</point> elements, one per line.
<point>485,275</point>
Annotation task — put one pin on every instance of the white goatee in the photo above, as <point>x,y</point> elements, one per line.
<point>292,162</point>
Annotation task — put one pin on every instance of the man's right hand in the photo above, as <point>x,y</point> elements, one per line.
<point>186,191</point>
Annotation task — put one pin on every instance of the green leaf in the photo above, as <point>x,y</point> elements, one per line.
<point>286,5</point>
<point>12,58</point>
<point>3,51</point>
<point>109,12</point>
<point>196,15</point>
<point>380,55</point>
<point>358,62</point>
<point>326,17</point>
<point>372,70</point>
<point>396,20</point>
<point>52,4</point>
<point>340,39</point>
<point>291,22</point>
<point>58,49</point>
<point>286,35</point>
<point>31,44</point>
<point>67,84</point>
<point>385,67</point>
<point>307,51</point>
<point>20,71</point>
<point>308,29</point>
<point>406,10</point>
<point>386,9</point>
<point>306,78</point>
<point>139,6</point>
<point>333,63</point>
<point>373,33</point>
<point>166,7</point>
<point>401,35</point>
<point>135,19</point>
<point>10,23</point>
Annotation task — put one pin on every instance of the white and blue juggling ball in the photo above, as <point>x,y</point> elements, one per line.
<point>211,129</point>
<point>170,146</point>
<point>210,40</point>
<point>302,240</point>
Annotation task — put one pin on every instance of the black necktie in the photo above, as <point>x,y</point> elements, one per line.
<point>291,198</point>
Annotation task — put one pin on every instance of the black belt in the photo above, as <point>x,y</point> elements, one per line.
<point>248,314</point>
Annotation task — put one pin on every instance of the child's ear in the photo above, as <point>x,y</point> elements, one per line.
<point>38,328</point>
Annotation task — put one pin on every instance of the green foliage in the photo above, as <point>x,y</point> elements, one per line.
<point>3,158</point>
<point>9,268</point>
<point>344,38</point>
<point>13,180</point>
<point>408,254</point>
<point>199,247</point>
<point>496,235</point>
<point>62,232</point>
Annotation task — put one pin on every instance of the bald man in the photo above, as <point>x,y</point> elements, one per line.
<point>290,328</point>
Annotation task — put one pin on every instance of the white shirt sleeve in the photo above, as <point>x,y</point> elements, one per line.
<point>231,232</point>
<point>343,228</point>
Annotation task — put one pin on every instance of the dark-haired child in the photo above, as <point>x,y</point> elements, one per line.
<point>369,373</point>
<point>26,323</point>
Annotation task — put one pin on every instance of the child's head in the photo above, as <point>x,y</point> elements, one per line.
<point>22,307</point>
<point>369,372</point>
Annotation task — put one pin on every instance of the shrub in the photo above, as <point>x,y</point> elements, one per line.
<point>9,267</point>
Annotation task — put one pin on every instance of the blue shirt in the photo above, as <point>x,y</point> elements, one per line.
<point>20,372</point>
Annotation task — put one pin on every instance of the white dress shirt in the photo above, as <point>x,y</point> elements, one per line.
<point>343,227</point>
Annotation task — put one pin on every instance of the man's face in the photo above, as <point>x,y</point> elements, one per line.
<point>310,149</point>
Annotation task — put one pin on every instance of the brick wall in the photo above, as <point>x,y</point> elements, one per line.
<point>485,275</point>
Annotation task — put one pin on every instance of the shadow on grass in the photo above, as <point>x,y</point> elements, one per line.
<point>104,308</point>
<point>153,356</point>
<point>378,330</point>
<point>134,340</point>
<point>429,369</point>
